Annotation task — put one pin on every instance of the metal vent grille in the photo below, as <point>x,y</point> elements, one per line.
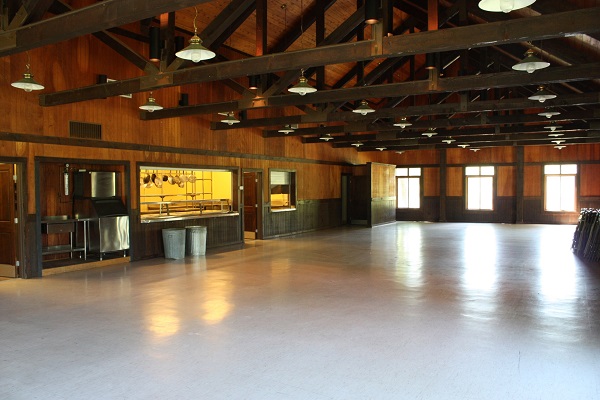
<point>85,130</point>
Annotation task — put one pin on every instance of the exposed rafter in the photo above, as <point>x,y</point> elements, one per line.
<point>542,27</point>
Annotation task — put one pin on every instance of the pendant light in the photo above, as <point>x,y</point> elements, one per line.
<point>371,12</point>
<point>286,129</point>
<point>363,108</point>
<point>399,151</point>
<point>403,123</point>
<point>230,119</point>
<point>326,137</point>
<point>504,5</point>
<point>195,51</point>
<point>548,114</point>
<point>429,133</point>
<point>542,95</point>
<point>530,63</point>
<point>474,150</point>
<point>151,105</point>
<point>357,144</point>
<point>552,127</point>
<point>381,148</point>
<point>559,141</point>
<point>559,147</point>
<point>302,87</point>
<point>464,145</point>
<point>449,140</point>
<point>253,81</point>
<point>28,84</point>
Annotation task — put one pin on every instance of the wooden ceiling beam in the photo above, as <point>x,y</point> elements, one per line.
<point>348,26</point>
<point>454,84</point>
<point>443,40</point>
<point>97,17</point>
<point>30,11</point>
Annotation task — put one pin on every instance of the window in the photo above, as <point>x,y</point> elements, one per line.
<point>283,189</point>
<point>176,192</point>
<point>560,187</point>
<point>408,186</point>
<point>480,188</point>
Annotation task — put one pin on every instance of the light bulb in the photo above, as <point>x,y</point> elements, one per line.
<point>530,68</point>
<point>196,57</point>
<point>507,5</point>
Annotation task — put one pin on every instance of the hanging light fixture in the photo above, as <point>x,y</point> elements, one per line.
<point>559,141</point>
<point>403,123</point>
<point>429,133</point>
<point>253,81</point>
<point>556,134</point>
<point>363,108</point>
<point>552,127</point>
<point>357,144</point>
<point>530,63</point>
<point>151,105</point>
<point>399,152</point>
<point>548,114</point>
<point>559,147</point>
<point>542,95</point>
<point>504,5</point>
<point>475,150</point>
<point>464,145</point>
<point>381,148</point>
<point>230,119</point>
<point>449,140</point>
<point>28,84</point>
<point>326,137</point>
<point>371,11</point>
<point>195,51</point>
<point>302,87</point>
<point>286,129</point>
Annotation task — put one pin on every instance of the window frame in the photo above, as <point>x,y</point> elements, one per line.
<point>575,189</point>
<point>466,188</point>
<point>408,177</point>
<point>293,195</point>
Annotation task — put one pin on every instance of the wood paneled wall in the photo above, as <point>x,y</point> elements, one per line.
<point>505,160</point>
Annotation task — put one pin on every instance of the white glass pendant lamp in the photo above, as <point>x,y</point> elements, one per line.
<point>504,6</point>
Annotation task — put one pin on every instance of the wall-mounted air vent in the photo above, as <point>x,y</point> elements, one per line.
<point>85,130</point>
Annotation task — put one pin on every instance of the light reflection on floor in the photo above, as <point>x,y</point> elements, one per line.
<point>401,311</point>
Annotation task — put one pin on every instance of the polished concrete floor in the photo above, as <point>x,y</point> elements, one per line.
<point>402,311</point>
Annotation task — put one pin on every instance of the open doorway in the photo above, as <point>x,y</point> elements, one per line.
<point>252,204</point>
<point>11,219</point>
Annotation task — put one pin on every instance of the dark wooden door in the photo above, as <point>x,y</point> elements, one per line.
<point>8,228</point>
<point>250,203</point>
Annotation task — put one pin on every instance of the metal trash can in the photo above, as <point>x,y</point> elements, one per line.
<point>195,240</point>
<point>174,242</point>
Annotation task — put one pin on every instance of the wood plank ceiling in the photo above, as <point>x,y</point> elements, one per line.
<point>470,95</point>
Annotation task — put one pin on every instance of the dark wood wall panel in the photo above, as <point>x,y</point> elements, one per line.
<point>146,238</point>
<point>429,211</point>
<point>310,215</point>
<point>533,213</point>
<point>504,211</point>
<point>383,210</point>
<point>589,202</point>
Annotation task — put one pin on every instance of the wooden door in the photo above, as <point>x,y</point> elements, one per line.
<point>8,228</point>
<point>250,205</point>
